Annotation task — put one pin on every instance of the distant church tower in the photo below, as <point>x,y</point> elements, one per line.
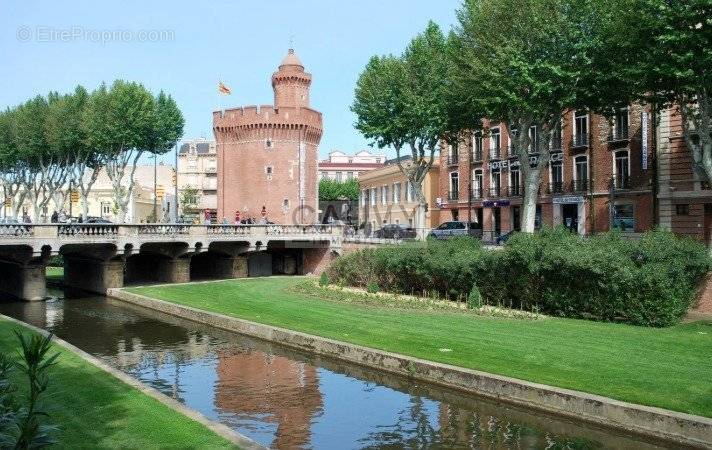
<point>267,155</point>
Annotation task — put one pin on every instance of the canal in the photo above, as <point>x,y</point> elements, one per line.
<point>287,399</point>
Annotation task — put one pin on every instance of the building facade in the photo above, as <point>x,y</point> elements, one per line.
<point>600,176</point>
<point>387,198</point>
<point>198,177</point>
<point>267,155</point>
<point>342,167</point>
<point>684,198</point>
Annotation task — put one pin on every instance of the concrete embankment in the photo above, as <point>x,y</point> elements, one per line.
<point>240,441</point>
<point>681,428</point>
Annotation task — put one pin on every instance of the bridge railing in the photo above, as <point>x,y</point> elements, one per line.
<point>89,230</point>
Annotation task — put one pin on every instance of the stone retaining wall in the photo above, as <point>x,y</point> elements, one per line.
<point>678,427</point>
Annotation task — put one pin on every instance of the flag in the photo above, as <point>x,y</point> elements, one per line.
<point>224,89</point>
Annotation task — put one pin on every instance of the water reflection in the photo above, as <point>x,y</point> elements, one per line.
<point>288,399</point>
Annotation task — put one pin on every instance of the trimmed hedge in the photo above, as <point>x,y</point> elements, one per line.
<point>649,281</point>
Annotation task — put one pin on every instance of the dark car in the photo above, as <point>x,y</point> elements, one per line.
<point>98,220</point>
<point>395,231</point>
<point>456,228</point>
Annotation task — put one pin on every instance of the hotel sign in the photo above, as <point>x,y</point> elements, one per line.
<point>533,161</point>
<point>567,199</point>
<point>644,146</point>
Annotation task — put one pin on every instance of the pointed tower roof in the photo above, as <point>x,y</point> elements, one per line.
<point>291,60</point>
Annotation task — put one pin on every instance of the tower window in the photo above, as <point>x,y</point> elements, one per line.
<point>268,172</point>
<point>285,204</point>
<point>269,144</point>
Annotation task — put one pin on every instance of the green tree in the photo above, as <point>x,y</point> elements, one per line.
<point>671,41</point>
<point>331,190</point>
<point>403,102</point>
<point>520,62</point>
<point>11,172</point>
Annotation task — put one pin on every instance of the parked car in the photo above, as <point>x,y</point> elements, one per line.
<point>8,221</point>
<point>98,220</point>
<point>456,228</point>
<point>395,231</point>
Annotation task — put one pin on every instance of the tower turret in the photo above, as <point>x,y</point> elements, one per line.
<point>291,83</point>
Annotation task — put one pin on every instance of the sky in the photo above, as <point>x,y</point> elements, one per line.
<point>186,47</point>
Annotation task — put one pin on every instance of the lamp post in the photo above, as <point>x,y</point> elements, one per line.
<point>175,183</point>
<point>155,188</point>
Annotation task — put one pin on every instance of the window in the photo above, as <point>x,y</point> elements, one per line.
<point>454,185</point>
<point>338,176</point>
<point>621,174</point>
<point>396,192</point>
<point>515,181</point>
<point>624,217</point>
<point>105,208</point>
<point>411,192</point>
<point>269,144</point>
<point>580,173</point>
<point>580,128</point>
<point>363,197</point>
<point>477,146</point>
<point>268,172</point>
<point>556,138</point>
<point>349,176</point>
<point>477,183</point>
<point>373,196</point>
<point>557,177</point>
<point>453,152</point>
<point>620,125</point>
<point>495,141</point>
<point>682,210</point>
<point>512,138</point>
<point>285,204</point>
<point>495,183</point>
<point>384,195</point>
<point>534,139</point>
<point>324,175</point>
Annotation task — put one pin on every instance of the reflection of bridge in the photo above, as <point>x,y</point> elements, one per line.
<point>99,257</point>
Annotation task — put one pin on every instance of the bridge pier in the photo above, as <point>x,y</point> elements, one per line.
<point>316,259</point>
<point>24,281</point>
<point>93,275</point>
<point>173,270</point>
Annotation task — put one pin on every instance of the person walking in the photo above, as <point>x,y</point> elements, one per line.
<point>207,217</point>
<point>237,217</point>
<point>55,217</point>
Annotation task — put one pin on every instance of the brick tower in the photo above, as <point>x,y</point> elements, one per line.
<point>267,155</point>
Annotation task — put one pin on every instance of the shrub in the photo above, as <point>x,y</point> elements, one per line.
<point>324,279</point>
<point>649,281</point>
<point>474,298</point>
<point>372,287</point>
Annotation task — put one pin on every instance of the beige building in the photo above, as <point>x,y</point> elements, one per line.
<point>342,167</point>
<point>386,197</point>
<point>198,172</point>
<point>140,207</point>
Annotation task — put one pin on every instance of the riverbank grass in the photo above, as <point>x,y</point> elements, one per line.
<point>54,273</point>
<point>664,367</point>
<point>95,410</point>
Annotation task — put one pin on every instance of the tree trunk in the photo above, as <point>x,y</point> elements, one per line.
<point>531,193</point>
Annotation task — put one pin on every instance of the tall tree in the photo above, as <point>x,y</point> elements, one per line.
<point>520,62</point>
<point>10,164</point>
<point>671,41</point>
<point>402,102</point>
<point>119,121</point>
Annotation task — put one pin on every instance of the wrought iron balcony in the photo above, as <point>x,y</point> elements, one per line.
<point>477,156</point>
<point>580,141</point>
<point>579,186</point>
<point>621,182</point>
<point>556,187</point>
<point>515,191</point>
<point>620,134</point>
<point>476,193</point>
<point>453,160</point>
<point>495,191</point>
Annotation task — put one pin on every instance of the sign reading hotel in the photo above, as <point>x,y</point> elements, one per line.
<point>533,161</point>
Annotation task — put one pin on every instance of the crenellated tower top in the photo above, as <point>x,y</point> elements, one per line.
<point>291,83</point>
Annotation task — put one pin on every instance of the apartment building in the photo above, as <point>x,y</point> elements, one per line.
<point>340,166</point>
<point>386,197</point>
<point>599,177</point>
<point>198,176</point>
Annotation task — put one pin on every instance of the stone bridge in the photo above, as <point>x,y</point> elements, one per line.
<point>102,256</point>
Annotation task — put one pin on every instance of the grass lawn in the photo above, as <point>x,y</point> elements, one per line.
<point>669,367</point>
<point>95,410</point>
<point>55,273</point>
